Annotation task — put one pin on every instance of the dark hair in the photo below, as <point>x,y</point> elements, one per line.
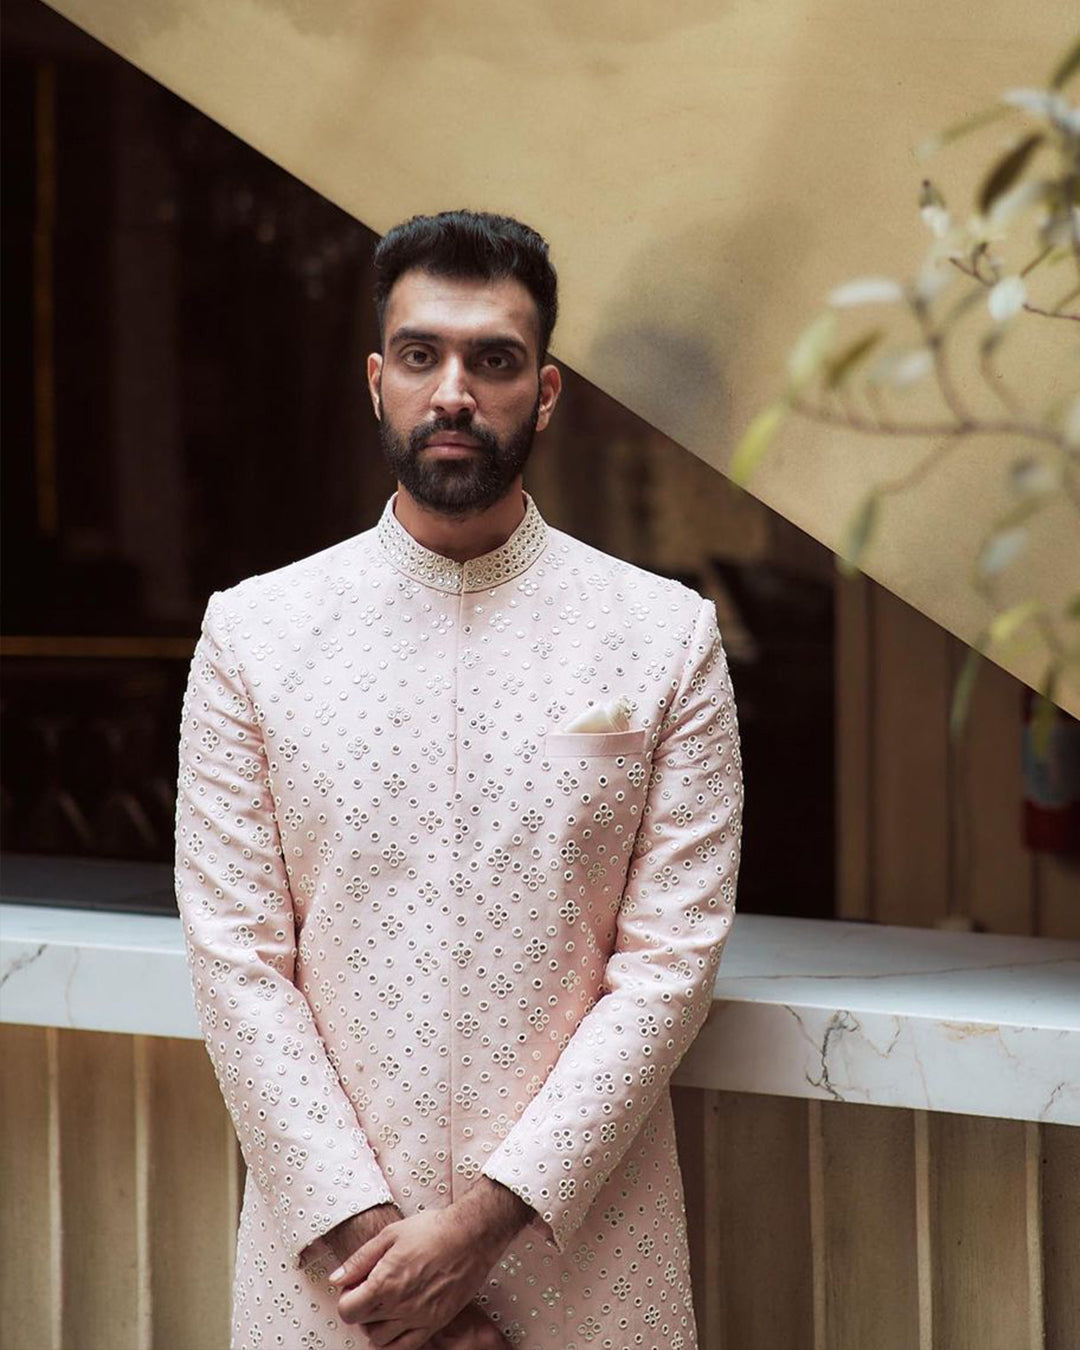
<point>469,244</point>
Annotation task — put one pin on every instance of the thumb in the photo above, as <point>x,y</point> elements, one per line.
<point>364,1260</point>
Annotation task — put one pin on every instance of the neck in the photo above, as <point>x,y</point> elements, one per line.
<point>457,537</point>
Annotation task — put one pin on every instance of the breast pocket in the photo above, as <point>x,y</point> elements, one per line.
<point>586,744</point>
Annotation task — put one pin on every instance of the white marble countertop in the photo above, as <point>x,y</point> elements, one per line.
<point>966,1022</point>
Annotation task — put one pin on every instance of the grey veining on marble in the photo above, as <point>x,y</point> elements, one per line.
<point>973,1023</point>
<point>976,1023</point>
<point>95,971</point>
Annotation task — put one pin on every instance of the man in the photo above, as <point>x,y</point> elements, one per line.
<point>458,833</point>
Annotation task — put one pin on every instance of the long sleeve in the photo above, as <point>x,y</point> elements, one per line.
<point>674,918</point>
<point>297,1128</point>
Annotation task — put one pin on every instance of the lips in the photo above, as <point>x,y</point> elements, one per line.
<point>450,440</point>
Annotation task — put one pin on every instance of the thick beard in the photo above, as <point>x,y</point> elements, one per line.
<point>458,487</point>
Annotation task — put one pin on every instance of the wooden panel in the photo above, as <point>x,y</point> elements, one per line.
<point>854,675</point>
<point>926,830</point>
<point>911,779</point>
<point>192,1200</point>
<point>1058,885</point>
<point>1060,1163</point>
<point>697,1135</point>
<point>992,871</point>
<point>763,1271</point>
<point>918,1230</point>
<point>980,1213</point>
<point>29,1233</point>
<point>867,1161</point>
<point>924,1209</point>
<point>97,1191</point>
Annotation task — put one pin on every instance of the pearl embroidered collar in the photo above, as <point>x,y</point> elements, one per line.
<point>519,552</point>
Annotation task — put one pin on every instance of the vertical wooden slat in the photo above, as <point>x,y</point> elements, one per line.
<point>854,680</point>
<point>992,870</point>
<point>815,1154</point>
<point>924,1238</point>
<point>764,1263</point>
<point>191,1198</point>
<point>868,1228</point>
<point>56,1212</point>
<point>28,1241</point>
<point>1057,880</point>
<point>1034,1226</point>
<point>1060,1166</point>
<point>980,1203</point>
<point>97,1178</point>
<point>911,770</point>
<point>143,1298</point>
<point>696,1115</point>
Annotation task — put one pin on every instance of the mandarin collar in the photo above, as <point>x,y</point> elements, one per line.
<point>518,553</point>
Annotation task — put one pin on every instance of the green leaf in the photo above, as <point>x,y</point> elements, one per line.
<point>1000,549</point>
<point>810,349</point>
<point>930,194</point>
<point>755,441</point>
<point>1032,478</point>
<point>858,534</point>
<point>961,699</point>
<point>1068,68</point>
<point>866,291</point>
<point>841,365</point>
<point>1011,620</point>
<point>1007,170</point>
<point>901,369</point>
<point>961,128</point>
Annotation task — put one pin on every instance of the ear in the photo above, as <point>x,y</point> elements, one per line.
<point>550,388</point>
<point>374,379</point>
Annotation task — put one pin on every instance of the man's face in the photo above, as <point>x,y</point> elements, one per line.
<point>456,388</point>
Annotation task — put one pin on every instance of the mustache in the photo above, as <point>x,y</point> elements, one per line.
<point>486,440</point>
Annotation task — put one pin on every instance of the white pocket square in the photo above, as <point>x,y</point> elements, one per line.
<point>613,716</point>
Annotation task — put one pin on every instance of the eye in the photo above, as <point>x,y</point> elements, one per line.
<point>415,357</point>
<point>499,361</point>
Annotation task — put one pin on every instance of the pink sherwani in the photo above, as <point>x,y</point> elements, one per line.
<point>433,933</point>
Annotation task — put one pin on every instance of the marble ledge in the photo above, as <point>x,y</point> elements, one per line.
<point>960,1022</point>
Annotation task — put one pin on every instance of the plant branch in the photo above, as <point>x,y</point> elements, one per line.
<point>997,384</point>
<point>935,342</point>
<point>962,427</point>
<point>1069,295</point>
<point>1056,313</point>
<point>921,469</point>
<point>1036,260</point>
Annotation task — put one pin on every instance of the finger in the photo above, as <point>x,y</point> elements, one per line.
<point>364,1260</point>
<point>412,1340</point>
<point>371,1302</point>
<point>387,1333</point>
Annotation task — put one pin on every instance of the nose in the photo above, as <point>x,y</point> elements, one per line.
<point>452,392</point>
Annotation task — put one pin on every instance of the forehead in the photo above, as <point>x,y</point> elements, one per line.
<point>462,307</point>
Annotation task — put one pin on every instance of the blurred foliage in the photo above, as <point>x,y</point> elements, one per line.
<point>1013,262</point>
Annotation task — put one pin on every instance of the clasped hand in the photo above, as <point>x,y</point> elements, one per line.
<point>413,1277</point>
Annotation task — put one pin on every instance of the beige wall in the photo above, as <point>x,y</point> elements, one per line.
<point>704,172</point>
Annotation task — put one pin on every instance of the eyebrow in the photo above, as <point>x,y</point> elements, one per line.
<point>406,334</point>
